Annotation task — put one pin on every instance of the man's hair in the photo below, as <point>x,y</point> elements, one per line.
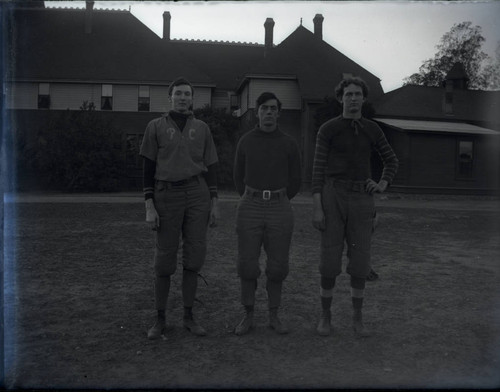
<point>339,90</point>
<point>178,82</point>
<point>266,96</point>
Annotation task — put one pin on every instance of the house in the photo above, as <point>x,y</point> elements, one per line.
<point>63,57</point>
<point>447,138</point>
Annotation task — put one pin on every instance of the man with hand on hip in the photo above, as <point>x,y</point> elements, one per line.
<point>343,205</point>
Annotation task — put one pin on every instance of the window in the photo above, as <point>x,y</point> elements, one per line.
<point>143,99</point>
<point>107,97</point>
<point>465,159</point>
<point>43,96</point>
<point>448,103</point>
<point>233,99</point>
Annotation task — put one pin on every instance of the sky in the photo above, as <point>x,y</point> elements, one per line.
<point>391,39</point>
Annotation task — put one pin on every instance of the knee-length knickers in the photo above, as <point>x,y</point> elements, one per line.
<point>348,218</point>
<point>184,211</point>
<point>267,223</point>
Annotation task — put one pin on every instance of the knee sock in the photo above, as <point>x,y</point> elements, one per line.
<point>326,292</point>
<point>357,292</point>
<point>274,293</point>
<point>189,286</point>
<point>248,287</point>
<point>161,288</point>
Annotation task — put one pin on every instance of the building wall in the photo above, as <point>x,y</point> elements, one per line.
<point>24,95</point>
<point>287,92</point>
<point>433,163</point>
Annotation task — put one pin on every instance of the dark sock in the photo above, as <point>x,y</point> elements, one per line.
<point>249,308</point>
<point>188,312</point>
<point>357,303</point>
<point>161,314</point>
<point>326,303</point>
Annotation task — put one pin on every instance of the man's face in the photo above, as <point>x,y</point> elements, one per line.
<point>182,98</point>
<point>352,99</point>
<point>268,114</point>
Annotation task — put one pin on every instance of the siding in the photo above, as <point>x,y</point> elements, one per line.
<point>71,96</point>
<point>159,99</point>
<point>202,97</point>
<point>244,100</point>
<point>125,98</point>
<point>220,99</point>
<point>286,90</point>
<point>22,96</point>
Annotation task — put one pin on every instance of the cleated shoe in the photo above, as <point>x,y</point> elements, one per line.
<point>245,325</point>
<point>275,323</point>
<point>359,329</point>
<point>193,327</point>
<point>324,326</point>
<point>158,329</point>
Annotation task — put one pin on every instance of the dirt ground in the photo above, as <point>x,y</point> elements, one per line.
<point>79,301</point>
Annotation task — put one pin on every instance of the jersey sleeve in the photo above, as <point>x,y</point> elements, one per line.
<point>149,145</point>
<point>389,159</point>
<point>210,154</point>
<point>320,161</point>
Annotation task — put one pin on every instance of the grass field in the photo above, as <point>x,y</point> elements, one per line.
<point>81,300</point>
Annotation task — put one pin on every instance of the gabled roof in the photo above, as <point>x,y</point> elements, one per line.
<point>51,44</point>
<point>317,65</point>
<point>225,62</point>
<point>426,103</point>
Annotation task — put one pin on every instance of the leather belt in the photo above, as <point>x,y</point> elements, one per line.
<point>355,186</point>
<point>170,184</point>
<point>265,194</point>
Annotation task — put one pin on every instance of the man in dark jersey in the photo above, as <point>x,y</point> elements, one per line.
<point>267,175</point>
<point>180,189</point>
<point>343,205</point>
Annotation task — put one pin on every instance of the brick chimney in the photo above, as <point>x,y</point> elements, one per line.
<point>268,40</point>
<point>89,6</point>
<point>318,26</point>
<point>166,25</point>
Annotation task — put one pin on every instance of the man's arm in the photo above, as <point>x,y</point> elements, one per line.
<point>152,217</point>
<point>239,169</point>
<point>294,171</point>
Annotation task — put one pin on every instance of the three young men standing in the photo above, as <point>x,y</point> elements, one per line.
<point>179,182</point>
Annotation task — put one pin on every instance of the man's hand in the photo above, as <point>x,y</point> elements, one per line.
<point>214,213</point>
<point>152,216</point>
<point>373,187</point>
<point>318,219</point>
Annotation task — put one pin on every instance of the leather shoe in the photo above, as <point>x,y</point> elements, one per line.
<point>275,323</point>
<point>359,329</point>
<point>157,329</point>
<point>193,327</point>
<point>245,325</point>
<point>324,326</point>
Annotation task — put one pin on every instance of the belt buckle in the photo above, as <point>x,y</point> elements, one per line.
<point>266,195</point>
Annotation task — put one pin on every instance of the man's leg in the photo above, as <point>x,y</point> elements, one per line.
<point>170,208</point>
<point>194,234</point>
<point>359,232</point>
<point>326,295</point>
<point>277,241</point>
<point>332,247</point>
<point>357,293</point>
<point>249,227</point>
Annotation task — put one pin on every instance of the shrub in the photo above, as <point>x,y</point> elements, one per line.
<point>224,128</point>
<point>80,151</point>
